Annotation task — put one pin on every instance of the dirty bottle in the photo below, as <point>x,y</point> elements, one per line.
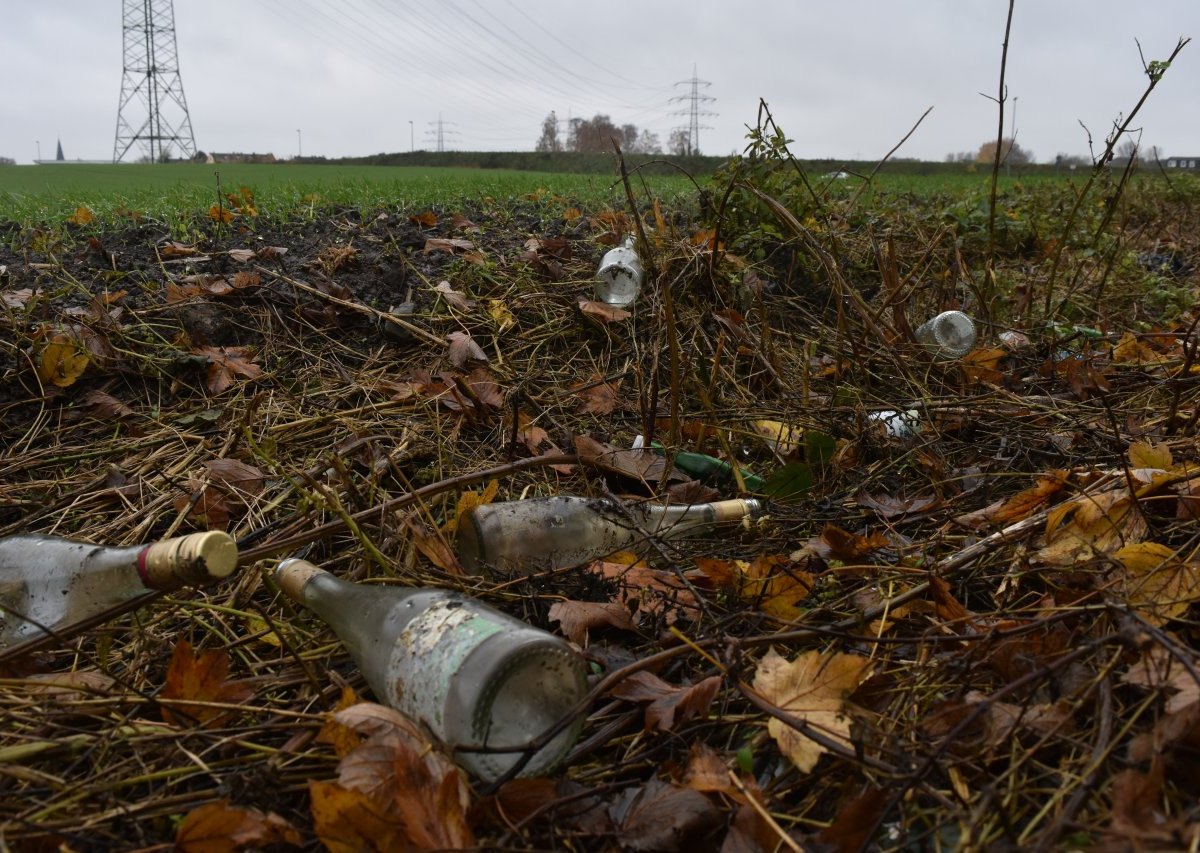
<point>620,276</point>
<point>476,677</point>
<point>521,537</point>
<point>950,334</point>
<point>48,583</point>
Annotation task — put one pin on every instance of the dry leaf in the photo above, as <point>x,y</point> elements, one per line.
<point>1020,505</point>
<point>223,828</point>
<point>226,363</point>
<point>599,397</point>
<point>668,704</point>
<point>241,478</point>
<point>447,244</point>
<point>812,688</point>
<point>707,771</point>
<point>349,822</point>
<point>1159,669</point>
<point>200,679</point>
<point>105,406</point>
<point>662,816</point>
<point>1159,584</point>
<point>61,361</point>
<point>341,737</point>
<point>642,589</point>
<point>602,311</point>
<point>424,219</point>
<point>579,617</point>
<point>1145,455</point>
<point>501,316</point>
<point>463,348</point>
<point>453,297</point>
<point>81,216</point>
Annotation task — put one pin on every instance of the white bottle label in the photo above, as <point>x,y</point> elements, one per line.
<point>428,654</point>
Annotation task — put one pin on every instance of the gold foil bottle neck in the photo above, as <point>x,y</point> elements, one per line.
<point>195,559</point>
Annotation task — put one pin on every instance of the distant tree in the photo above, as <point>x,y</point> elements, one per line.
<point>629,136</point>
<point>680,142</point>
<point>961,156</point>
<point>595,135</point>
<point>1128,150</point>
<point>549,140</point>
<point>7,161</point>
<point>647,143</point>
<point>1010,153</point>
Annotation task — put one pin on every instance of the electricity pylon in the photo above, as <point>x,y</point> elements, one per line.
<point>152,112</point>
<point>694,112</point>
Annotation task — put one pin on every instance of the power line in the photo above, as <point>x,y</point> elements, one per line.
<point>150,82</point>
<point>694,112</point>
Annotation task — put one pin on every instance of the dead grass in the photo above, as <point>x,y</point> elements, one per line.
<point>997,708</point>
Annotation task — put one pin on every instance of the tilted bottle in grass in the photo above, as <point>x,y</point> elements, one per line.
<point>950,334</point>
<point>620,275</point>
<point>478,678</point>
<point>521,537</point>
<point>48,584</point>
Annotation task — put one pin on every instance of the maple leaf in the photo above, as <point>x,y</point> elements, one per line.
<point>773,582</point>
<point>220,827</point>
<point>61,361</point>
<point>812,688</point>
<point>668,704</point>
<point>642,465</point>
<point>201,679</point>
<point>1145,455</point>
<point>1020,505</point>
<point>706,770</point>
<point>579,617</point>
<point>348,821</point>
<point>1089,525</point>
<point>225,363</point>
<point>424,219</point>
<point>412,783</point>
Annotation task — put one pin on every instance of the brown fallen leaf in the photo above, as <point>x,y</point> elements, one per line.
<point>462,348</point>
<point>1156,581</point>
<point>813,688</point>
<point>105,406</point>
<point>663,816</point>
<point>602,311</point>
<point>642,589</point>
<point>424,219</point>
<point>349,821</point>
<point>226,363</point>
<point>599,397</point>
<point>61,361</point>
<point>448,244</point>
<point>453,297</point>
<point>668,704</point>
<point>1020,505</point>
<point>237,476</point>
<point>224,828</point>
<point>200,679</point>
<point>579,617</point>
<point>341,737</point>
<point>642,465</point>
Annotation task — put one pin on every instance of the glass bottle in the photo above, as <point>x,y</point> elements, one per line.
<point>52,583</point>
<point>521,537</point>
<point>951,334</point>
<point>620,276</point>
<point>476,677</point>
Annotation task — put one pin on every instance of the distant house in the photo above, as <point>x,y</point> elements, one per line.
<point>1182,162</point>
<point>234,157</point>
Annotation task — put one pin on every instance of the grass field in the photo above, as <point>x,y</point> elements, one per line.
<point>46,193</point>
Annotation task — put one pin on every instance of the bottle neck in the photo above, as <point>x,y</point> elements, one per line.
<point>677,518</point>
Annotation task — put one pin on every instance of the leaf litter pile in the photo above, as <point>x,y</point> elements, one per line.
<point>967,619</point>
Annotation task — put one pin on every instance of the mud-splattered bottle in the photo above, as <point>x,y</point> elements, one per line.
<point>476,677</point>
<point>48,584</point>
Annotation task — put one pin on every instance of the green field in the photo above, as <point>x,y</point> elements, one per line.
<point>51,192</point>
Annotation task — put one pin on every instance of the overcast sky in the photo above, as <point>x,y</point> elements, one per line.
<point>844,79</point>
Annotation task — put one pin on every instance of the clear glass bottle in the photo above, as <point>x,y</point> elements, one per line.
<point>476,677</point>
<point>950,334</point>
<point>48,582</point>
<point>620,276</point>
<point>520,537</point>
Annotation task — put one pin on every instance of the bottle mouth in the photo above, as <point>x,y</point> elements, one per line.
<point>535,689</point>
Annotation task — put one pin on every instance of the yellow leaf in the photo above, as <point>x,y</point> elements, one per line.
<point>571,214</point>
<point>1157,582</point>
<point>1145,455</point>
<point>258,625</point>
<point>468,501</point>
<point>341,737</point>
<point>81,216</point>
<point>780,436</point>
<point>501,316</point>
<point>812,688</point>
<point>61,362</point>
